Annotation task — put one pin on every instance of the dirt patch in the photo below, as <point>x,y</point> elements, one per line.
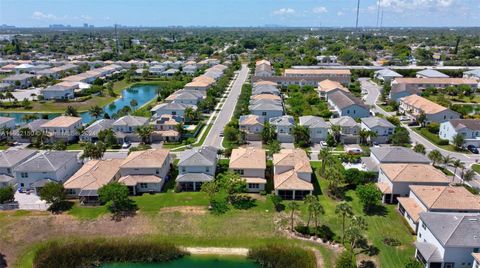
<point>193,210</point>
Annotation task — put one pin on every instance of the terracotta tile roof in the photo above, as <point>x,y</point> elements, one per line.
<point>255,180</point>
<point>446,198</point>
<point>295,158</point>
<point>62,121</point>
<point>201,81</point>
<point>329,85</point>
<point>250,120</point>
<point>317,71</point>
<point>262,62</point>
<point>290,181</point>
<point>413,173</point>
<point>246,158</point>
<point>412,207</point>
<point>476,256</point>
<point>266,97</point>
<point>132,180</point>
<point>94,174</point>
<point>259,83</point>
<point>384,187</point>
<point>427,106</point>
<point>152,158</point>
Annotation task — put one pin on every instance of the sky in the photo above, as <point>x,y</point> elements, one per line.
<point>240,13</point>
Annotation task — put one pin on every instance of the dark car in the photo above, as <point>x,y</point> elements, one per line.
<point>472,149</point>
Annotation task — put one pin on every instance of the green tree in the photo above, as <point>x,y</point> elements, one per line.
<point>54,194</point>
<point>108,137</point>
<point>71,111</point>
<point>457,164</point>
<point>419,148</point>
<point>268,133</point>
<point>94,151</point>
<point>133,104</point>
<point>231,183</point>
<point>180,128</point>
<point>301,135</point>
<point>293,207</point>
<point>435,156</point>
<point>344,210</point>
<point>317,211</point>
<point>336,132</point>
<point>210,188</point>
<point>334,176</point>
<point>325,156</point>
<point>446,161</point>
<point>310,200</point>
<point>414,264</point>
<point>458,141</point>
<point>190,115</point>
<point>115,195</point>
<point>346,260</point>
<point>273,147</point>
<point>369,195</point>
<point>421,119</point>
<point>28,117</point>
<point>144,132</point>
<point>400,137</point>
<point>7,194</point>
<point>468,175</point>
<point>95,111</point>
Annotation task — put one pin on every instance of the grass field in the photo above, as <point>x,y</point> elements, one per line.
<point>476,168</point>
<point>434,138</point>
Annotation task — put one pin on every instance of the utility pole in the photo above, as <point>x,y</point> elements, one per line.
<point>358,12</point>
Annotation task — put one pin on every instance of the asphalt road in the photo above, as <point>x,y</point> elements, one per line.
<point>224,116</point>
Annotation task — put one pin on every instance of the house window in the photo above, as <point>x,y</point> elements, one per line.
<point>143,185</point>
<point>423,226</point>
<point>253,185</point>
<point>475,250</point>
<point>264,113</point>
<point>183,169</point>
<point>449,265</point>
<point>157,171</point>
<point>70,191</point>
<point>9,170</point>
<point>207,169</point>
<point>238,171</point>
<point>24,175</point>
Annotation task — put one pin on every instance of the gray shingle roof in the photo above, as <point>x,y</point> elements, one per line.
<point>34,125</point>
<point>388,73</point>
<point>194,177</point>
<point>454,229</point>
<point>371,122</point>
<point>4,120</point>
<point>343,121</point>
<point>98,126</point>
<point>47,161</point>
<point>172,106</point>
<point>475,72</point>
<point>313,122</point>
<point>130,120</point>
<point>6,179</point>
<point>429,252</point>
<point>344,99</point>
<point>472,124</point>
<point>432,74</point>
<point>266,106</point>
<point>204,156</point>
<point>10,158</point>
<point>286,120</point>
<point>398,155</point>
<point>59,88</point>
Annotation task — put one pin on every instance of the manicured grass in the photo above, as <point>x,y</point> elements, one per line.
<point>435,139</point>
<point>387,108</point>
<point>205,134</point>
<point>87,213</point>
<point>476,168</point>
<point>152,203</point>
<point>75,146</point>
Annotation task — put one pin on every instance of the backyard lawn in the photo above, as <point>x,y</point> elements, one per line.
<point>476,168</point>
<point>435,139</point>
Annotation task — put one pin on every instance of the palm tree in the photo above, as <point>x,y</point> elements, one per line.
<point>419,148</point>
<point>446,161</point>
<point>468,175</point>
<point>334,176</point>
<point>344,210</point>
<point>9,96</point>
<point>95,111</point>
<point>336,131</point>
<point>144,132</point>
<point>324,156</point>
<point>363,134</point>
<point>435,156</point>
<point>71,111</point>
<point>309,201</point>
<point>456,164</point>
<point>293,206</point>
<point>180,129</point>
<point>372,135</point>
<point>133,103</point>
<point>317,211</point>
<point>29,117</point>
<point>189,114</point>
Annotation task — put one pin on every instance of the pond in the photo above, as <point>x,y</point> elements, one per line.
<point>193,262</point>
<point>141,93</point>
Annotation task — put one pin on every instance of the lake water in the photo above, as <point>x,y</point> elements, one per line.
<point>193,262</point>
<point>142,93</point>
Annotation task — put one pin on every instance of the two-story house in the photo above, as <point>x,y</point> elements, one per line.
<point>252,126</point>
<point>382,128</point>
<point>468,128</point>
<point>62,128</point>
<point>349,129</point>
<point>292,174</point>
<point>172,108</point>
<point>250,163</point>
<point>392,155</point>
<point>196,166</point>
<point>414,105</point>
<point>317,127</point>
<point>345,104</point>
<point>9,159</point>
<point>283,128</point>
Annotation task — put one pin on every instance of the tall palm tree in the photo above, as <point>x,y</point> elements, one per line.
<point>468,175</point>
<point>95,111</point>
<point>180,129</point>
<point>293,206</point>
<point>309,201</point>
<point>317,211</point>
<point>344,210</point>
<point>363,134</point>
<point>29,117</point>
<point>372,135</point>
<point>189,114</point>
<point>456,164</point>
<point>336,131</point>
<point>144,132</point>
<point>324,156</point>
<point>9,96</point>
<point>446,161</point>
<point>435,156</point>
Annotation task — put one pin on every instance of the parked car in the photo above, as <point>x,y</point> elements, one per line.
<point>221,134</point>
<point>125,145</point>
<point>472,149</point>
<point>354,151</point>
<point>323,144</point>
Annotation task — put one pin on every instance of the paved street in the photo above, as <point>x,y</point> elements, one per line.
<point>213,138</point>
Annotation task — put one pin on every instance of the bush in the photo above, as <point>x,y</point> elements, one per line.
<point>433,127</point>
<point>443,142</point>
<point>282,256</point>
<point>6,194</point>
<point>346,260</point>
<point>219,204</point>
<point>93,253</point>
<point>391,242</point>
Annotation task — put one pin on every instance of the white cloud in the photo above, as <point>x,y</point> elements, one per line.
<point>85,17</point>
<point>340,13</point>
<point>320,10</point>
<point>284,11</point>
<point>42,16</point>
<point>402,5</point>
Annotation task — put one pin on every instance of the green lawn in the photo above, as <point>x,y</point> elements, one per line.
<point>435,139</point>
<point>75,146</point>
<point>87,213</point>
<point>476,168</point>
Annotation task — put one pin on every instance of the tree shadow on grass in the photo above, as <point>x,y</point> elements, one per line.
<point>368,249</point>
<point>60,207</point>
<point>367,264</point>
<point>243,202</point>
<point>3,262</point>
<point>377,210</point>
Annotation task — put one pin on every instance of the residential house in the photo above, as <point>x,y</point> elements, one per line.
<point>201,83</point>
<point>415,105</point>
<point>250,163</point>
<point>157,69</point>
<point>266,109</point>
<point>328,86</point>
<point>263,68</point>
<point>126,126</point>
<point>9,160</point>
<point>165,128</point>
<point>340,75</point>
<point>170,72</point>
<point>190,69</point>
<point>292,174</point>
<point>475,74</point>
<point>62,128</point>
<point>34,126</point>
<point>90,134</point>
<point>196,166</point>
<point>317,127</point>
<point>392,155</point>
<point>394,180</point>
<point>186,97</point>
<point>345,104</point>
<point>270,97</point>
<point>19,80</point>
<point>252,125</point>
<point>265,89</point>
<point>7,123</point>
<point>58,92</point>
<point>386,75</point>
<point>447,240</point>
<point>430,73</point>
<point>46,166</point>
<point>94,174</point>
<point>436,199</point>
<point>283,128</point>
<point>382,128</point>
<point>468,128</point>
<point>403,87</point>
<point>145,171</point>
<point>349,129</point>
<point>172,108</point>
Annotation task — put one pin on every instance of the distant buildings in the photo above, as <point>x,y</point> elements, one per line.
<point>386,75</point>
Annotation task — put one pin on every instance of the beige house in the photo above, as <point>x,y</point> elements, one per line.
<point>329,86</point>
<point>250,163</point>
<point>436,199</point>
<point>415,105</point>
<point>200,83</point>
<point>145,171</point>
<point>394,180</point>
<point>94,174</point>
<point>63,128</point>
<point>252,125</point>
<point>292,174</point>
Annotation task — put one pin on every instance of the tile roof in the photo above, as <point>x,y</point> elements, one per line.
<point>290,181</point>
<point>266,97</point>
<point>396,154</point>
<point>297,159</point>
<point>430,73</point>
<point>12,157</point>
<point>261,82</point>
<point>133,180</point>
<point>446,198</point>
<point>472,124</point>
<point>388,73</point>
<point>98,126</point>
<point>344,121</point>
<point>411,206</point>
<point>345,99</point>
<point>130,120</point>
<point>152,158</point>
<point>194,177</point>
<point>248,158</point>
<point>317,71</point>
<point>449,81</point>
<point>313,122</point>
<point>425,105</point>
<point>285,120</point>
<point>371,122</point>
<point>424,173</point>
<point>204,156</point>
<point>47,161</point>
<point>454,229</point>
<point>62,121</point>
<point>329,85</point>
<point>94,174</point>
<point>429,251</point>
<point>384,187</point>
<point>251,119</point>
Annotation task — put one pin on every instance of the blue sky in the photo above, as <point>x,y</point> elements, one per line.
<point>239,12</point>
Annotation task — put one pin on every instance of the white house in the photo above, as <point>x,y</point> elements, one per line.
<point>317,127</point>
<point>380,126</point>
<point>63,128</point>
<point>191,97</point>
<point>252,125</point>
<point>349,129</point>
<point>196,166</point>
<point>172,108</point>
<point>386,75</point>
<point>283,128</point>
<point>430,73</point>
<point>9,160</point>
<point>19,80</point>
<point>392,155</point>
<point>468,128</point>
<point>266,109</point>
<point>345,104</point>
<point>414,106</point>
<point>58,92</point>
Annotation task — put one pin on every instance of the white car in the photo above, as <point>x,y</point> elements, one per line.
<point>125,145</point>
<point>323,144</point>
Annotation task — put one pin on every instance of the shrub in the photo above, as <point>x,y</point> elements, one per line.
<point>433,127</point>
<point>219,204</point>
<point>346,260</point>
<point>92,253</point>
<point>391,242</point>
<point>6,194</point>
<point>443,142</point>
<point>282,256</point>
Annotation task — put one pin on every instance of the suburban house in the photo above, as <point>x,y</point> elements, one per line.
<point>392,155</point>
<point>200,83</point>
<point>265,89</point>
<point>328,86</point>
<point>90,134</point>
<point>126,126</point>
<point>196,166</point>
<point>36,125</point>
<point>386,75</point>
<point>349,129</point>
<point>266,109</point>
<point>62,128</point>
<point>380,126</point>
<point>19,80</point>
<point>9,160</point>
<point>94,174</point>
<point>250,163</point>
<point>7,122</point>
<point>190,69</point>
<point>186,97</point>
<point>46,166</point>
<point>340,75</point>
<point>345,104</point>
<point>283,128</point>
<point>145,171</point>
<point>292,174</point>
<point>415,105</point>
<point>172,108</point>
<point>402,87</point>
<point>447,240</point>
<point>394,180</point>
<point>252,125</point>
<point>263,68</point>
<point>317,127</point>
<point>157,69</point>
<point>270,97</point>
<point>475,74</point>
<point>430,73</point>
<point>468,128</point>
<point>170,72</point>
<point>436,199</point>
<point>165,128</point>
<point>58,92</point>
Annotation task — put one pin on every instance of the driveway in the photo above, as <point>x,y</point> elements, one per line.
<point>21,94</point>
<point>30,201</point>
<point>213,138</point>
